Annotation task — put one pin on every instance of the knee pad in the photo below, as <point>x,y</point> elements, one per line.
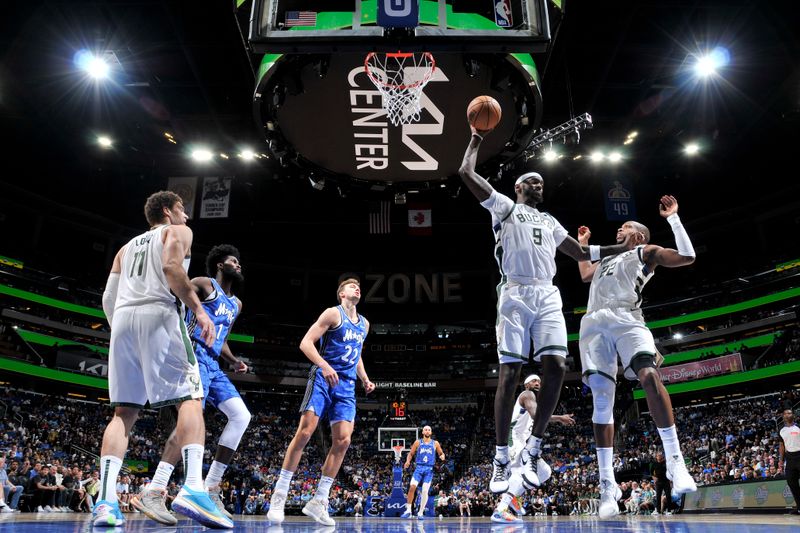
<point>643,360</point>
<point>238,420</point>
<point>602,398</point>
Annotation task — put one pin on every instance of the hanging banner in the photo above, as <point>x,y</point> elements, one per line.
<point>619,201</point>
<point>186,188</point>
<point>398,13</point>
<point>216,197</point>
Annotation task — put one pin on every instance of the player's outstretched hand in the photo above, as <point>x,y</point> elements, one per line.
<point>482,133</point>
<point>240,367</point>
<point>568,420</point>
<point>330,375</point>
<point>368,386</point>
<point>669,206</point>
<point>207,330</point>
<point>584,233</point>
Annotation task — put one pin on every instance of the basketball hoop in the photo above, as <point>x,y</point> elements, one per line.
<point>398,450</point>
<point>400,78</point>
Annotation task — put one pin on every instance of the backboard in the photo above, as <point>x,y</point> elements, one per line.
<point>324,26</point>
<point>390,436</point>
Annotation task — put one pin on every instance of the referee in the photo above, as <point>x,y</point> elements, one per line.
<point>790,450</point>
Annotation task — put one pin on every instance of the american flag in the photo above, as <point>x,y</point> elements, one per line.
<point>301,18</point>
<point>380,218</point>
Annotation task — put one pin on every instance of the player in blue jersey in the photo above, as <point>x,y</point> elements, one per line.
<point>219,302</point>
<point>331,393</point>
<point>426,449</point>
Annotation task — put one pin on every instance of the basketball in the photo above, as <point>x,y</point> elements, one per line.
<point>483,113</point>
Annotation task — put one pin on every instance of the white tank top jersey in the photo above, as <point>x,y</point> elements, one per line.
<point>618,281</point>
<point>791,438</point>
<point>526,240</point>
<point>521,424</point>
<point>142,279</point>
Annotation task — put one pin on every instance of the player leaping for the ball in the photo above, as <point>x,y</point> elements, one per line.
<point>529,305</point>
<point>426,450</point>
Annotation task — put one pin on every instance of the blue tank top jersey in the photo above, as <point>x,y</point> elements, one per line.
<point>426,453</point>
<point>222,310</point>
<point>341,346</point>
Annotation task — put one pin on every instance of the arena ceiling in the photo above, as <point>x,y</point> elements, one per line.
<point>182,68</point>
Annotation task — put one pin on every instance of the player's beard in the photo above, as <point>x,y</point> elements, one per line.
<point>231,273</point>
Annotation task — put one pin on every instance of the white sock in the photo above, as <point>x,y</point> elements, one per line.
<point>505,501</point>
<point>193,465</point>
<point>109,470</point>
<point>669,438</point>
<point>534,445</point>
<point>324,488</point>
<point>408,507</point>
<point>501,453</point>
<point>284,481</point>
<point>605,457</point>
<point>423,502</point>
<point>215,473</point>
<point>161,477</point>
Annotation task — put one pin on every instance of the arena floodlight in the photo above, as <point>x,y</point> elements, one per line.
<point>247,155</point>
<point>707,65</point>
<point>104,141</point>
<point>691,149</point>
<point>597,157</point>
<point>97,68</point>
<point>202,155</point>
<point>614,157</point>
<point>550,155</point>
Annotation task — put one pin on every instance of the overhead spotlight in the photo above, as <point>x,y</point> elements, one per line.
<point>318,184</point>
<point>628,141</point>
<point>579,156</point>
<point>202,155</point>
<point>596,157</point>
<point>633,134</point>
<point>104,141</point>
<point>400,198</point>
<point>677,336</point>
<point>615,157</point>
<point>224,155</point>
<point>247,155</point>
<point>691,149</point>
<point>97,68</point>
<point>550,155</point>
<point>707,65</point>
<point>168,135</point>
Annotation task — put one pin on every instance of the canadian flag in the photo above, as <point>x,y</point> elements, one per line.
<point>419,219</point>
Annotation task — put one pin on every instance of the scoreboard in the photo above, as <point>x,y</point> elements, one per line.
<point>398,411</point>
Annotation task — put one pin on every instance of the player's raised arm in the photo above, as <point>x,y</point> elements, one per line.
<point>656,255</point>
<point>586,268</point>
<point>578,252</point>
<point>328,319</point>
<point>476,183</point>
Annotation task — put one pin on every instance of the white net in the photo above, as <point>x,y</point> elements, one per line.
<point>400,77</point>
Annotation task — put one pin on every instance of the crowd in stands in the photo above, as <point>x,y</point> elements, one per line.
<point>47,444</point>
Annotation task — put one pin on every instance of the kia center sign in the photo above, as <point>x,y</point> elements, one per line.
<point>325,110</point>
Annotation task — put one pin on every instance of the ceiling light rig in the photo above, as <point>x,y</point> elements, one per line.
<point>568,133</point>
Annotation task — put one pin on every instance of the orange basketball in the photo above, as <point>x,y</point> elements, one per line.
<point>483,112</point>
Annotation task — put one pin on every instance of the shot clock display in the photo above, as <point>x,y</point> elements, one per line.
<point>398,410</point>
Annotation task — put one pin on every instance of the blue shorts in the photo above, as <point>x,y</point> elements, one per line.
<point>423,474</point>
<point>216,386</point>
<point>338,403</point>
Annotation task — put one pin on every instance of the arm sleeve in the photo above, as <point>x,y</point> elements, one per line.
<point>110,295</point>
<point>499,205</point>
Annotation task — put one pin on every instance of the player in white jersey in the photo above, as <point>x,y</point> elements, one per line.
<point>613,325</point>
<point>150,356</point>
<point>528,305</point>
<point>521,428</point>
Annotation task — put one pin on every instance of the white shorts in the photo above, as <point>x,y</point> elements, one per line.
<point>526,312</point>
<point>606,333</point>
<point>151,358</point>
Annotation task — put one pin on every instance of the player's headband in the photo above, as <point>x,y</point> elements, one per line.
<point>531,378</point>
<point>528,175</point>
